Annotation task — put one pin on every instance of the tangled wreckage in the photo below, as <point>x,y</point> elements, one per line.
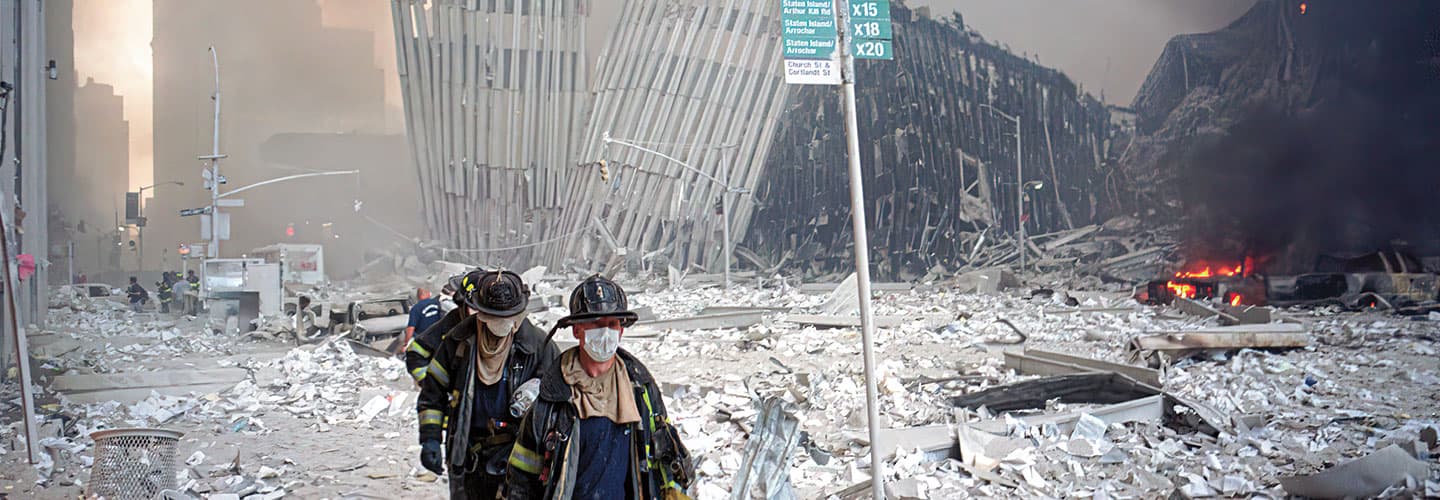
<point>688,106</point>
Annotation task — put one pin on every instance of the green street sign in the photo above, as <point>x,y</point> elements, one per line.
<point>869,9</point>
<point>872,49</point>
<point>792,9</point>
<point>809,48</point>
<point>808,27</point>
<point>810,40</point>
<point>877,29</point>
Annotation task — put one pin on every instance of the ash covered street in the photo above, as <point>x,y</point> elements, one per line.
<point>330,420</point>
<point>711,249</point>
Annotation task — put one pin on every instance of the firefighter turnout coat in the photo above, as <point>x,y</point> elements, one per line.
<point>446,399</point>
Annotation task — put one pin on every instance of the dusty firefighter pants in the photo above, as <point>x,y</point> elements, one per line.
<point>475,486</point>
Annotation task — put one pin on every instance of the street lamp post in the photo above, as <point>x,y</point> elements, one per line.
<point>1030,202</point>
<point>141,209</point>
<point>1019,186</point>
<point>724,197</point>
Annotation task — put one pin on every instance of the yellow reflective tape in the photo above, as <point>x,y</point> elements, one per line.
<point>439,372</point>
<point>419,349</point>
<point>525,460</point>
<point>431,417</point>
<point>418,374</point>
<point>650,408</point>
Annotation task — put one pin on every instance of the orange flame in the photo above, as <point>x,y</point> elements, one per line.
<point>1205,271</point>
<point>1184,290</point>
<point>1235,299</point>
<point>1303,8</point>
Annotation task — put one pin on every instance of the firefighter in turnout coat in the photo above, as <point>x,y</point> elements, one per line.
<point>468,395</point>
<point>599,429</point>
<point>422,346</point>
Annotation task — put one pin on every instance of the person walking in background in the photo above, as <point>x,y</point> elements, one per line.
<point>137,295</point>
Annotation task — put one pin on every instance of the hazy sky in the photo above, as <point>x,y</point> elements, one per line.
<point>1105,45</point>
<point>1080,37</point>
<point>112,45</point>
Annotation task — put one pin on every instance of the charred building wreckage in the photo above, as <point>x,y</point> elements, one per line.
<point>687,126</point>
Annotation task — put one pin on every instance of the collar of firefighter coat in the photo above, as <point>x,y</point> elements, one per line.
<point>554,389</point>
<point>529,339</point>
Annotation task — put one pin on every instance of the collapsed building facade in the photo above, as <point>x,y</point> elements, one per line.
<point>1302,128</point>
<point>689,105</point>
<point>1295,148</point>
<point>493,95</point>
<point>940,167</point>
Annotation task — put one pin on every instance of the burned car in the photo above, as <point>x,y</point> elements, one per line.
<point>1387,279</point>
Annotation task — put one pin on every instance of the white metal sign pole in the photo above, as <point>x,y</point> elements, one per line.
<point>862,249</point>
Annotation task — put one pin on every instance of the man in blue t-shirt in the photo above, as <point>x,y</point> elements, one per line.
<point>422,315</point>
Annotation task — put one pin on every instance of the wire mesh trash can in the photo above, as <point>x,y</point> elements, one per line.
<point>132,463</point>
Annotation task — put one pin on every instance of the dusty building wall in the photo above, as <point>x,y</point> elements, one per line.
<point>95,193</point>
<point>698,82</point>
<point>282,71</point>
<point>494,95</point>
<point>920,117</point>
<point>60,128</point>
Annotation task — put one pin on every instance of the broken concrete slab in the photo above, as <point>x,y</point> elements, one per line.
<point>1268,336</point>
<point>1092,310</point>
<point>1360,478</point>
<point>1197,308</point>
<point>990,280</point>
<point>819,288</point>
<point>645,313</point>
<point>738,319</point>
<point>983,445</point>
<point>167,378</point>
<point>1067,237</point>
<point>983,450</point>
<point>1249,315</point>
<point>937,441</point>
<point>1097,388</point>
<point>734,309</point>
<point>1039,362</point>
<point>136,395</point>
<point>1146,409</point>
<point>1093,388</point>
<point>931,321</point>
<point>844,298</point>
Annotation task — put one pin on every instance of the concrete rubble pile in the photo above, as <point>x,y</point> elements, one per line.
<point>1276,414</point>
<point>328,382</point>
<point>252,401</point>
<point>986,389</point>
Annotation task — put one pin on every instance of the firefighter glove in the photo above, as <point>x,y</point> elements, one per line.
<point>431,458</point>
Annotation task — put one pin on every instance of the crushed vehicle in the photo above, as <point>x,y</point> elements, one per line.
<point>372,321</point>
<point>1389,279</point>
<point>322,312</point>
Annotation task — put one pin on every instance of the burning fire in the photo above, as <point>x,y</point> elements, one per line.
<point>1203,270</point>
<point>1184,290</point>
<point>1304,7</point>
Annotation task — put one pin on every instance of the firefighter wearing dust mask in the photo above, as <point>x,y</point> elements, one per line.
<point>479,384</point>
<point>599,428</point>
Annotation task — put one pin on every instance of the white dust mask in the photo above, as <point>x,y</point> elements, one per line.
<point>602,343</point>
<point>502,327</point>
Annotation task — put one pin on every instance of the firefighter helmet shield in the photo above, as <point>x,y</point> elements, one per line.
<point>499,294</point>
<point>597,297</point>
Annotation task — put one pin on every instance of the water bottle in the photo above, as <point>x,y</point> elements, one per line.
<point>525,397</point>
